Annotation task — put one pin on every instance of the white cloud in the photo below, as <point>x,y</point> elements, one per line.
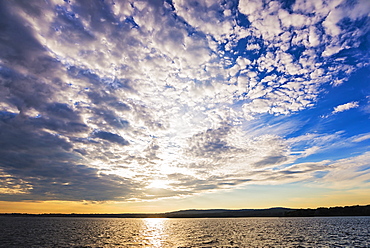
<point>361,138</point>
<point>204,16</point>
<point>305,33</point>
<point>344,107</point>
<point>296,20</point>
<point>348,173</point>
<point>331,50</point>
<point>253,47</point>
<point>249,7</point>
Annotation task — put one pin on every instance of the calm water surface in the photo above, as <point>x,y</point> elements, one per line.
<point>223,232</point>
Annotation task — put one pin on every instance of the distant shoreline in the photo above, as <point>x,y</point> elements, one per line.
<point>222,213</point>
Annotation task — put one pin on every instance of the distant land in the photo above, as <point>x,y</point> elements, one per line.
<point>224,213</point>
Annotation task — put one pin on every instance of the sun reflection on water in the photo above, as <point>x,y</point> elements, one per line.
<point>154,231</point>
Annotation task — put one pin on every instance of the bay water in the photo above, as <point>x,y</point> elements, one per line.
<point>187,232</point>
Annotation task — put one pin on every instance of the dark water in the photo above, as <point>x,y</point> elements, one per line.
<point>228,232</point>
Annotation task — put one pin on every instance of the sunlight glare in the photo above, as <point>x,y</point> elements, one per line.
<point>154,231</point>
<point>158,184</point>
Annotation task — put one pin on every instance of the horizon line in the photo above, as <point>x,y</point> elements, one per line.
<point>182,210</point>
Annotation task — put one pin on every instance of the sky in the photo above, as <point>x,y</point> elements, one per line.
<point>161,105</point>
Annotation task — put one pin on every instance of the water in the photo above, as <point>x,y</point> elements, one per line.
<point>218,232</point>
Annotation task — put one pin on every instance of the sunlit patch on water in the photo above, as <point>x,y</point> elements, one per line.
<point>154,231</point>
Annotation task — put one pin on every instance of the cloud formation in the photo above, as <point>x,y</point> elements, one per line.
<point>98,99</point>
<point>344,107</point>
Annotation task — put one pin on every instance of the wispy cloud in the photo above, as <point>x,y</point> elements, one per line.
<point>344,107</point>
<point>361,137</point>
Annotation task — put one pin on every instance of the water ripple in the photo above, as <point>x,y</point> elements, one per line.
<point>228,232</point>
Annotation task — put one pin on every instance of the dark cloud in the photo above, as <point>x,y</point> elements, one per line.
<point>100,85</point>
<point>101,97</point>
<point>17,43</point>
<point>18,134</point>
<point>121,106</point>
<point>287,172</point>
<point>210,143</point>
<point>96,11</point>
<point>50,169</point>
<point>70,26</point>
<point>271,160</point>
<point>58,117</point>
<point>58,125</point>
<point>42,152</point>
<point>111,137</point>
<point>110,117</point>
<point>23,91</point>
<point>61,110</point>
<point>60,181</point>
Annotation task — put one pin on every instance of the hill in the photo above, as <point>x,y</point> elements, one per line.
<point>226,213</point>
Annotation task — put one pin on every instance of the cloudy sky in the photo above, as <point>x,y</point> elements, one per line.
<point>159,105</point>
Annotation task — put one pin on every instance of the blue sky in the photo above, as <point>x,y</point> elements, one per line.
<point>163,105</point>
